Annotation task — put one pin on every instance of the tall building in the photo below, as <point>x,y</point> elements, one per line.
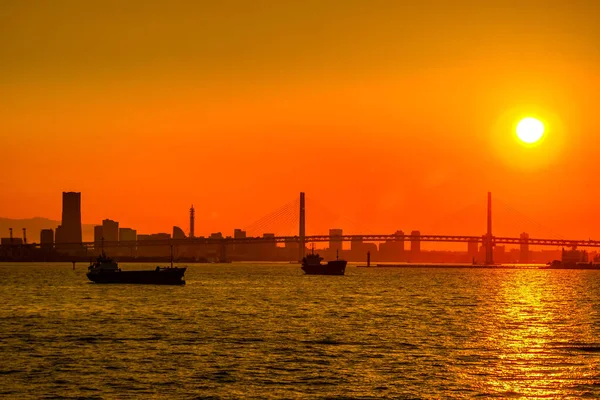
<point>110,230</point>
<point>192,221</point>
<point>70,227</point>
<point>47,238</point>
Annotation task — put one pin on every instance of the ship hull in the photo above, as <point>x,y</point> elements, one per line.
<point>331,268</point>
<point>166,276</point>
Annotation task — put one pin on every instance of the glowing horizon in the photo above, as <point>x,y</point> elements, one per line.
<point>146,109</point>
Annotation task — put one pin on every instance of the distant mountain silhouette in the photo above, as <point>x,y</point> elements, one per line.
<point>35,225</point>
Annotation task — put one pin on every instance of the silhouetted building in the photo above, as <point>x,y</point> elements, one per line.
<point>158,248</point>
<point>335,242</point>
<point>178,233</point>
<point>359,249</point>
<point>239,234</point>
<point>59,236</point>
<point>127,235</point>
<point>415,245</point>
<point>47,239</point>
<point>239,250</point>
<point>98,237</point>
<point>110,231</point>
<point>192,221</point>
<point>11,241</point>
<point>524,248</point>
<point>127,245</point>
<point>500,255</point>
<point>391,250</point>
<point>70,227</point>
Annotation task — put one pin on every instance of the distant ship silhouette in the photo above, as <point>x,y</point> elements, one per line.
<point>311,265</point>
<point>105,270</point>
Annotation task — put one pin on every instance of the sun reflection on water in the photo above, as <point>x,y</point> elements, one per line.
<point>531,332</point>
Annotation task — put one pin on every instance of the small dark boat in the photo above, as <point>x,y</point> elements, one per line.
<point>105,270</point>
<point>311,265</point>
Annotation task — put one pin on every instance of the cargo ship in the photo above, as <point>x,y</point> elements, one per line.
<point>311,265</point>
<point>105,270</point>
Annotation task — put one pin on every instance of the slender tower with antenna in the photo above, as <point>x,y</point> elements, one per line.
<point>192,221</point>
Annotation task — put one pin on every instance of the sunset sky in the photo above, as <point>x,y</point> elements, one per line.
<point>392,114</point>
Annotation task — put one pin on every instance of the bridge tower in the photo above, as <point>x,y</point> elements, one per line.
<point>302,233</point>
<point>488,240</point>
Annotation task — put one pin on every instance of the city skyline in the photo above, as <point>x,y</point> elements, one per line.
<point>270,224</point>
<point>303,199</point>
<point>66,241</point>
<point>380,110</point>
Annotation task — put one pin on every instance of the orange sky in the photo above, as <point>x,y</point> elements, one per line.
<point>395,116</point>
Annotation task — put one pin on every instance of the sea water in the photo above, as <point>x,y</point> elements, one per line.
<point>268,331</point>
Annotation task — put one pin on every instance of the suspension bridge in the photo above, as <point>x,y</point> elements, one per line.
<point>293,215</point>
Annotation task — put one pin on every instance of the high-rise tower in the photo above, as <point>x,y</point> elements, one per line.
<point>192,220</point>
<point>70,228</point>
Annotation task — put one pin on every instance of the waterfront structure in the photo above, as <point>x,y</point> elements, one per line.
<point>127,235</point>
<point>11,241</point>
<point>69,230</point>
<point>127,239</point>
<point>47,239</point>
<point>110,230</point>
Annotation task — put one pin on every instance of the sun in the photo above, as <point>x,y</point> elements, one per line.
<point>530,130</point>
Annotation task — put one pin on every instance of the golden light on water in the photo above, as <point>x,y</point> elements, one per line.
<point>530,130</point>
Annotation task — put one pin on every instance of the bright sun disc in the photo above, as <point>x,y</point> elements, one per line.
<point>530,130</point>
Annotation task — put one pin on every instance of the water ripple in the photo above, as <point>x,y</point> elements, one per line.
<point>268,332</point>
